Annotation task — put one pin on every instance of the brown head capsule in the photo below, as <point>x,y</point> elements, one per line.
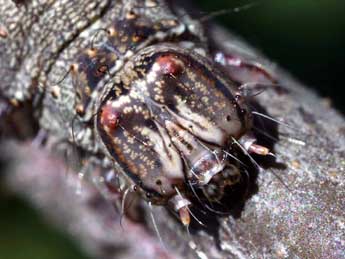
<point>178,116</point>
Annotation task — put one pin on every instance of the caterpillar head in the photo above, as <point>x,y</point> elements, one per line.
<point>167,119</point>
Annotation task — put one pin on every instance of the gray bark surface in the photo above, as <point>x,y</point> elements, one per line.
<point>306,220</point>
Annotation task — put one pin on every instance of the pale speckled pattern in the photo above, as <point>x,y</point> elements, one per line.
<point>306,222</point>
<point>37,34</point>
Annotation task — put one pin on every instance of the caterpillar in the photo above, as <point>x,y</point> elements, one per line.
<point>148,94</point>
<point>138,88</point>
<point>162,112</point>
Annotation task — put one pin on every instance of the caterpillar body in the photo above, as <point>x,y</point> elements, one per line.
<point>143,91</point>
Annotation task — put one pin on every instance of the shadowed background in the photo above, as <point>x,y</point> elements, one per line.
<point>303,36</point>
<point>306,37</point>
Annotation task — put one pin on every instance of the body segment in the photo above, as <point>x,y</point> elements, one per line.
<point>175,116</point>
<point>131,83</point>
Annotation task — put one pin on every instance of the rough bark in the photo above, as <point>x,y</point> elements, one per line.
<point>305,220</point>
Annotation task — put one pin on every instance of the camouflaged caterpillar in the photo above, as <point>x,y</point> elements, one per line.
<point>168,117</point>
<point>151,96</point>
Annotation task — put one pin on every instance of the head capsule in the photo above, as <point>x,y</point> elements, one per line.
<point>167,118</point>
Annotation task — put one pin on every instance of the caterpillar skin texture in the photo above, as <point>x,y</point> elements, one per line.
<point>134,85</point>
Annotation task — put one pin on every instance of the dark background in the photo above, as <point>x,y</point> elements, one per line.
<point>305,37</point>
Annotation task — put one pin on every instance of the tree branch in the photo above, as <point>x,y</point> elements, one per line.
<point>306,222</point>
